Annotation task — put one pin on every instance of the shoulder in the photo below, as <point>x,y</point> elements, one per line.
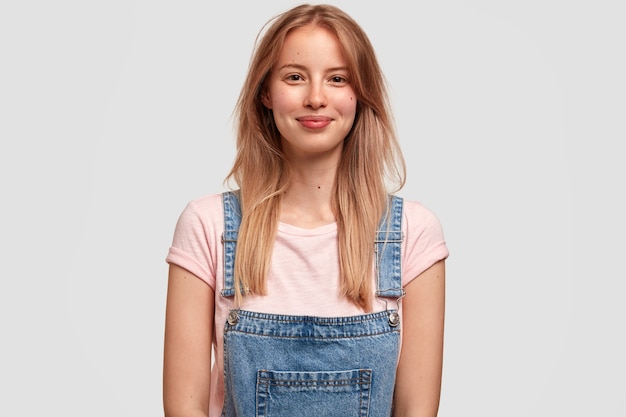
<point>424,242</point>
<point>209,202</point>
<point>196,242</point>
<point>203,213</point>
<point>419,217</point>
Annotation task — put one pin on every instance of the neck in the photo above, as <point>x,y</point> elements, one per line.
<point>307,202</point>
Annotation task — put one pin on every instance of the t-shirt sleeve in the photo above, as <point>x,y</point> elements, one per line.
<point>196,238</point>
<point>424,241</point>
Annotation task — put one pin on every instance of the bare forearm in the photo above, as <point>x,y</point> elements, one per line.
<point>185,413</point>
<point>187,350</point>
<point>418,379</point>
<point>423,403</point>
<point>415,413</point>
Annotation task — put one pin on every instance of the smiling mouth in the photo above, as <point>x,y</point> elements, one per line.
<point>314,122</point>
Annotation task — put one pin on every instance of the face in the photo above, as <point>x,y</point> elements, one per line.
<point>310,95</point>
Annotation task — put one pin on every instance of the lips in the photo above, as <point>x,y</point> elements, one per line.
<point>314,122</point>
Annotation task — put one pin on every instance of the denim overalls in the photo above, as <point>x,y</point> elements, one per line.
<point>301,366</point>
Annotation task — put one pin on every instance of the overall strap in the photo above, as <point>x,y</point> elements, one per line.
<point>232,220</point>
<point>388,251</point>
<point>387,247</point>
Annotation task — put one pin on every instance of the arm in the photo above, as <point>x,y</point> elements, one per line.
<point>187,351</point>
<point>418,380</point>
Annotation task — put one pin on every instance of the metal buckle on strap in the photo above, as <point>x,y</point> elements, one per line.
<point>233,317</point>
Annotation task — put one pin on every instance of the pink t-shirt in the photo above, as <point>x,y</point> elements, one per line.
<point>303,278</point>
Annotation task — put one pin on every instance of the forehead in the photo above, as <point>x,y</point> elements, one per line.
<point>311,43</point>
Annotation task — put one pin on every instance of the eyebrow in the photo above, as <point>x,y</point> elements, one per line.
<point>302,67</point>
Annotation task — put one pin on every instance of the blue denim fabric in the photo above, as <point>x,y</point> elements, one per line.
<point>286,366</point>
<point>388,251</point>
<point>232,219</point>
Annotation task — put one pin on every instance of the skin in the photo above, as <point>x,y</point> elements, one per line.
<point>418,378</point>
<point>187,352</point>
<point>314,107</point>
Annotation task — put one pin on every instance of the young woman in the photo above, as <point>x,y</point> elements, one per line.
<point>310,290</point>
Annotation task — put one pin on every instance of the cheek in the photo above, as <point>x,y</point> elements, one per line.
<point>281,101</point>
<point>348,104</point>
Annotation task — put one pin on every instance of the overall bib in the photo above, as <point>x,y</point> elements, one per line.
<point>300,366</point>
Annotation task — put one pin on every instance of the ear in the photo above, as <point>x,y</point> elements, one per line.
<point>266,99</point>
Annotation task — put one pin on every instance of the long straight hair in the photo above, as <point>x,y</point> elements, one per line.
<point>371,164</point>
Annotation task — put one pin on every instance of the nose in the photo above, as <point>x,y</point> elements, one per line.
<point>315,97</point>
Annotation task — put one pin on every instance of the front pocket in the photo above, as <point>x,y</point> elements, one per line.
<point>313,394</point>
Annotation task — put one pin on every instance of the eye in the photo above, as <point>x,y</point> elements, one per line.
<point>293,77</point>
<point>338,79</point>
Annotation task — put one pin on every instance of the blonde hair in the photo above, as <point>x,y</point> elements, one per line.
<point>371,158</point>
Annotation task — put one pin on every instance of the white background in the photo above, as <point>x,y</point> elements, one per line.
<point>114,114</point>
